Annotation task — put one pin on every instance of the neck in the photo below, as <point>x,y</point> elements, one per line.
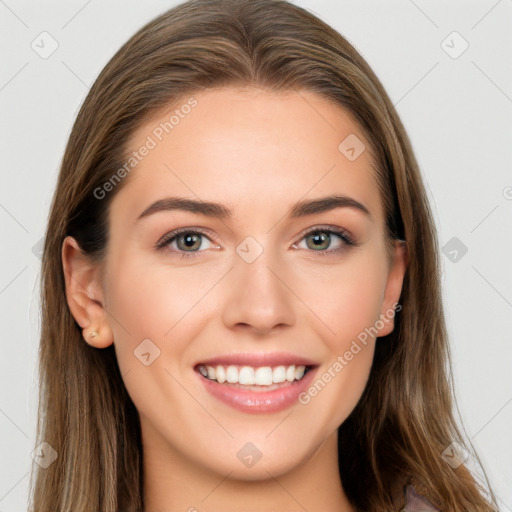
<point>172,482</point>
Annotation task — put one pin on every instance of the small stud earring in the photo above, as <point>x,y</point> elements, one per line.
<point>93,334</point>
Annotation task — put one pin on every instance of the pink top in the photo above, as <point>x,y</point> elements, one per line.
<point>415,502</point>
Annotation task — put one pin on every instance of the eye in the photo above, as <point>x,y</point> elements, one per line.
<point>188,243</point>
<point>320,240</point>
<point>185,241</point>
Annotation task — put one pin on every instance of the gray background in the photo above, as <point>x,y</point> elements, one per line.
<point>456,108</point>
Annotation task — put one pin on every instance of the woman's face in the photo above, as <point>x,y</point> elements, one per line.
<point>274,278</point>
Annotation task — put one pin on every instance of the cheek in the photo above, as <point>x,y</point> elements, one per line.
<point>155,313</point>
<point>349,310</point>
<point>146,301</point>
<point>348,298</point>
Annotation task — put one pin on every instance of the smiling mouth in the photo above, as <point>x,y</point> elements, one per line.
<point>262,378</point>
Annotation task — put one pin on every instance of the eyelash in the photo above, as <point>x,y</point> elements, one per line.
<point>345,237</point>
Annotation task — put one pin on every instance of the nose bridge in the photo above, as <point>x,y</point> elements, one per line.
<point>257,294</point>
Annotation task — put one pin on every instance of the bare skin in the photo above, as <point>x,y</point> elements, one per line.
<point>256,153</point>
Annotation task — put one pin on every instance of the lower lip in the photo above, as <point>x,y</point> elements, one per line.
<point>258,401</point>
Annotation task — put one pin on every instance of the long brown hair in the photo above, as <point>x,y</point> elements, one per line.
<point>404,420</point>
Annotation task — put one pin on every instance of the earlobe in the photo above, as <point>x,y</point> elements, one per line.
<point>394,284</point>
<point>84,294</point>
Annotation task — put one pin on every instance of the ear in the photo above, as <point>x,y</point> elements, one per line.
<point>84,294</point>
<point>398,266</point>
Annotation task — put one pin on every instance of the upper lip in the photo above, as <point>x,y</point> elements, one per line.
<point>258,359</point>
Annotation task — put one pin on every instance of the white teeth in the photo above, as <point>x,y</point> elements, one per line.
<point>211,372</point>
<point>232,374</point>
<point>299,372</point>
<point>279,374</point>
<point>248,376</point>
<point>221,374</point>
<point>263,376</point>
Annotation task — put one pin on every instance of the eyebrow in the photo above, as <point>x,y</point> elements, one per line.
<point>219,211</point>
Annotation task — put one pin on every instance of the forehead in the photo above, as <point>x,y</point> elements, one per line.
<point>242,146</point>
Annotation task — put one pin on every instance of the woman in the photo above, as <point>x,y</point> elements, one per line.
<point>241,296</point>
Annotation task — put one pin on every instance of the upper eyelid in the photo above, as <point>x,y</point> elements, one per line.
<point>327,227</point>
<point>179,231</point>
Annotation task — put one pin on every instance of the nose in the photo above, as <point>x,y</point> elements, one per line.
<point>258,296</point>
